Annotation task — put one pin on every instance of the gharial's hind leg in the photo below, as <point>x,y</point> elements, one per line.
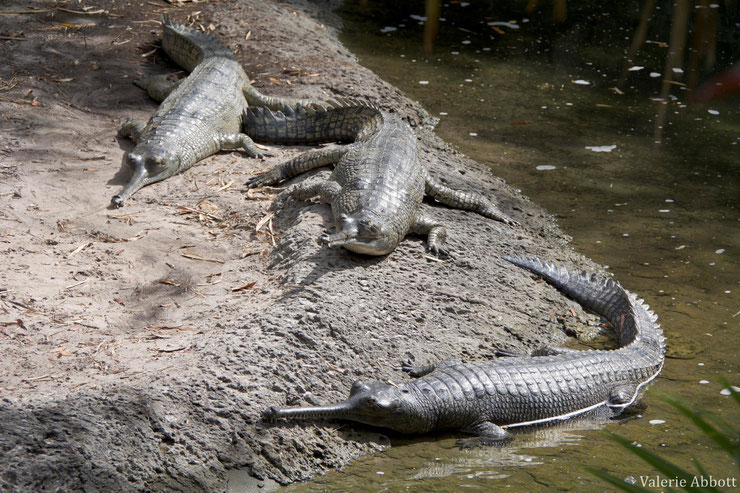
<point>435,231</point>
<point>158,86</point>
<point>300,164</point>
<point>467,200</point>
<point>132,130</point>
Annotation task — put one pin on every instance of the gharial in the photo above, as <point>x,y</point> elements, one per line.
<point>199,115</point>
<point>551,384</point>
<point>378,182</point>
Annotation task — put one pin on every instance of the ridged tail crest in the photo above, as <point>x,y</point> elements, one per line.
<point>188,47</point>
<point>631,318</point>
<point>336,120</point>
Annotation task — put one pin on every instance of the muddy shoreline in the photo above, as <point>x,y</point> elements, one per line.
<point>140,345</point>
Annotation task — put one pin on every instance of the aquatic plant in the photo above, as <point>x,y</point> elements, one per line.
<point>724,434</point>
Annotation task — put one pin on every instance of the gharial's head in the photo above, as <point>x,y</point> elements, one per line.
<point>373,403</point>
<point>363,232</point>
<point>149,165</point>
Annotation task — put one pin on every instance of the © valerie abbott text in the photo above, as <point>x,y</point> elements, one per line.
<point>694,482</point>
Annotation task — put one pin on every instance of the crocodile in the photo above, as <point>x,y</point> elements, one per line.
<point>199,115</point>
<point>378,182</point>
<point>548,385</point>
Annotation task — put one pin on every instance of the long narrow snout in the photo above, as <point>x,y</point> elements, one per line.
<point>138,180</point>
<point>338,410</point>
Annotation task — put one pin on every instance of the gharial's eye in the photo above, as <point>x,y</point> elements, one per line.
<point>371,402</point>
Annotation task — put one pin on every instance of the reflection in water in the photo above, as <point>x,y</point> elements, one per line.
<point>541,106</point>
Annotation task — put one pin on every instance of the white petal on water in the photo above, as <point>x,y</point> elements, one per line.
<point>455,52</point>
<point>601,148</point>
<point>654,74</point>
<point>424,82</point>
<point>664,210</point>
<point>625,234</point>
<point>473,134</point>
<point>545,167</point>
<point>677,70</point>
<point>443,113</point>
<point>466,42</point>
<point>510,25</point>
<point>388,29</point>
<point>635,68</point>
<point>727,390</point>
<point>657,421</point>
<point>669,200</point>
<point>713,112</point>
<point>419,18</point>
<point>582,82</point>
<point>720,250</point>
<point>464,4</point>
<point>703,382</point>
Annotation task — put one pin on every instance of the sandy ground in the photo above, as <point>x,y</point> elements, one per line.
<point>139,345</point>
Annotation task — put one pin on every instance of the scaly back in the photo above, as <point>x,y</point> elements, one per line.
<point>188,47</point>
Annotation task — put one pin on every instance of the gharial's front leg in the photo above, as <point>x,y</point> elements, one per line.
<point>435,231</point>
<point>419,371</point>
<point>228,142</point>
<point>300,164</point>
<point>466,200</point>
<point>158,87</point>
<point>132,130</point>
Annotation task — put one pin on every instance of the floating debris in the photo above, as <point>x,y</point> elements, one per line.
<point>727,390</point>
<point>423,82</point>
<point>420,18</point>
<point>654,74</point>
<point>443,113</point>
<point>635,68</point>
<point>473,134</point>
<point>677,70</point>
<point>703,382</point>
<point>510,25</point>
<point>601,148</point>
<point>466,42</point>
<point>582,82</point>
<point>713,112</point>
<point>545,167</point>
<point>388,29</point>
<point>664,210</point>
<point>657,421</point>
<point>721,250</point>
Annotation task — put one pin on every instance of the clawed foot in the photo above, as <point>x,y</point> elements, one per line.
<point>440,251</point>
<point>407,366</point>
<point>261,154</point>
<point>260,180</point>
<point>504,353</point>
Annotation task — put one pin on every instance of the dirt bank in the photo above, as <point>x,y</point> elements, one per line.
<point>140,345</point>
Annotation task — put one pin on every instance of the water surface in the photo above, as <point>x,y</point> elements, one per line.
<point>536,102</point>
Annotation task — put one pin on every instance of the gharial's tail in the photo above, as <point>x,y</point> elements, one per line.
<point>187,47</point>
<point>631,318</point>
<point>336,120</point>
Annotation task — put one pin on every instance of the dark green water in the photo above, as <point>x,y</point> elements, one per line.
<point>530,103</point>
